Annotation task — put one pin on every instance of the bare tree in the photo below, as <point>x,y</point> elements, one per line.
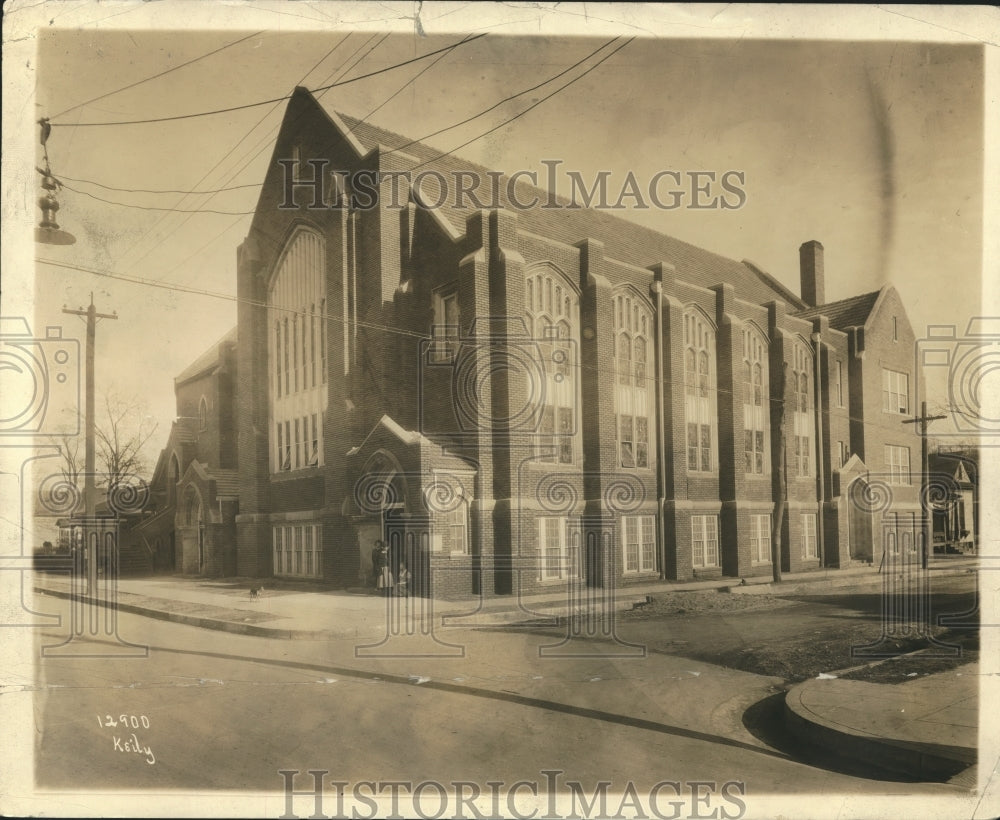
<point>124,428</point>
<point>71,457</point>
<point>55,497</point>
<point>122,434</point>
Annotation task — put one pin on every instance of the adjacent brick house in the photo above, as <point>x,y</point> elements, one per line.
<point>194,494</point>
<point>517,397</point>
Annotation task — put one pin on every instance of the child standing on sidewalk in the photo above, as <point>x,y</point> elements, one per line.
<point>403,581</point>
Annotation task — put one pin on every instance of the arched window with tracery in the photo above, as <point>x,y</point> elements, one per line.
<point>699,391</point>
<point>297,353</point>
<point>755,403</point>
<point>802,418</point>
<point>552,312</point>
<point>634,396</point>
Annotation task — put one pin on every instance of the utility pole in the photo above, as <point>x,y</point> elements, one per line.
<point>925,524</point>
<point>90,435</point>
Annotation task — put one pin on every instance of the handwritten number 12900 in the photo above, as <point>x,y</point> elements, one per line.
<point>125,721</point>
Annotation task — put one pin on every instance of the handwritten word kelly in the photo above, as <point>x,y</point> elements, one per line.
<point>131,744</point>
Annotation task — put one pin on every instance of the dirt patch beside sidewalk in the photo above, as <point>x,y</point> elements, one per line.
<point>929,661</point>
<point>698,602</point>
<point>798,636</point>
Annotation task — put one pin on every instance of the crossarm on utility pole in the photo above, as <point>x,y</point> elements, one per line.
<point>923,419</point>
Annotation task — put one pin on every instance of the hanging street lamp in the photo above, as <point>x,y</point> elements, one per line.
<point>48,232</point>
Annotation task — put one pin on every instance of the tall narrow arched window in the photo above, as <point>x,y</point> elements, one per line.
<point>297,353</point>
<point>173,476</point>
<point>203,414</point>
<point>634,396</point>
<point>803,428</point>
<point>755,404</point>
<point>700,396</point>
<point>192,508</point>
<point>552,310</point>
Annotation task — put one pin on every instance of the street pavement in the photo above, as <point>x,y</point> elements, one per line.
<point>549,698</point>
<point>229,711</point>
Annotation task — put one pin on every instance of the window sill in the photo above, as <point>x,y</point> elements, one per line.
<point>302,472</point>
<point>552,582</point>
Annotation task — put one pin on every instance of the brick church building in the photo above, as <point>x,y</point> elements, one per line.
<point>516,397</point>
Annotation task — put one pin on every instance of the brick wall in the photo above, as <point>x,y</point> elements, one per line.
<point>387,265</point>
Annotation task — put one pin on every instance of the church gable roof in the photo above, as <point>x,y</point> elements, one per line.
<point>623,240</point>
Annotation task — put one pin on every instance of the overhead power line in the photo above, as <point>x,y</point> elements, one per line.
<point>496,105</point>
<point>526,110</point>
<point>230,109</point>
<point>155,207</point>
<point>338,72</point>
<point>403,147</point>
<point>399,90</point>
<point>226,155</point>
<point>158,190</point>
<point>156,76</point>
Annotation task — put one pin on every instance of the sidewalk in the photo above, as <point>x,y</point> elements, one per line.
<point>292,610</point>
<point>927,727</point>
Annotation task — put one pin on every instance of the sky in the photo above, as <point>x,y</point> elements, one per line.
<point>875,148</point>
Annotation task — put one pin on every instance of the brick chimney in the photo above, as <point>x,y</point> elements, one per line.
<point>811,273</point>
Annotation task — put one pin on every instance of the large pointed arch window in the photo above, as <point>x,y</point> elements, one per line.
<point>296,309</point>
<point>699,391</point>
<point>552,309</point>
<point>634,397</point>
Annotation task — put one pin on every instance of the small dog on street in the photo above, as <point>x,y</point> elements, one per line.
<point>255,592</point>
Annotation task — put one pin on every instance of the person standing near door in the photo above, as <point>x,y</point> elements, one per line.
<point>381,569</point>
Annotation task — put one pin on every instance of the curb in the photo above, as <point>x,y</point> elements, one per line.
<point>795,587</point>
<point>476,619</point>
<point>926,761</point>
<point>202,622</point>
